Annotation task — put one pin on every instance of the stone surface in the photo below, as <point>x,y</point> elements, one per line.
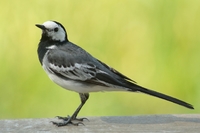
<point>114,124</point>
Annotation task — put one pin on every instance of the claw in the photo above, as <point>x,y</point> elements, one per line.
<point>68,120</point>
<point>65,123</point>
<point>81,119</point>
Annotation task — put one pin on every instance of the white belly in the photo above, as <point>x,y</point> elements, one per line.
<point>79,86</point>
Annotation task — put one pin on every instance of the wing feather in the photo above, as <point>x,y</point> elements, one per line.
<point>76,71</point>
<point>84,67</point>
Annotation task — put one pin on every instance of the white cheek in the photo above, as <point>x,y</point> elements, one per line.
<point>59,36</point>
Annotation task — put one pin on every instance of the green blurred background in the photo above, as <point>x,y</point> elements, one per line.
<point>154,42</point>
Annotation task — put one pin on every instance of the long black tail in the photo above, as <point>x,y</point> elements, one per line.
<point>162,96</point>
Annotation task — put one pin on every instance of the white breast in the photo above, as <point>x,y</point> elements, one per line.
<point>78,86</point>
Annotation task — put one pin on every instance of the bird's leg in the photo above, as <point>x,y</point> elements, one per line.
<point>68,120</point>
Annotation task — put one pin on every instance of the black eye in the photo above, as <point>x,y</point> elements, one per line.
<point>55,29</point>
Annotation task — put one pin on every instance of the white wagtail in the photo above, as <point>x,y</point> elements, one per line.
<point>72,68</point>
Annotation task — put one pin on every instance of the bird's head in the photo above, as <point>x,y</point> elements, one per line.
<point>53,30</point>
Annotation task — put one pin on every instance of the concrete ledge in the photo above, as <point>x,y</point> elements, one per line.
<point>114,124</point>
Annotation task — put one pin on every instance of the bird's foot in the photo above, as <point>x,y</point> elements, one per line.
<point>65,123</point>
<point>68,120</point>
<point>68,117</point>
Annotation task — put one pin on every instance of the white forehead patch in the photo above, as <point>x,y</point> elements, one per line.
<point>50,24</point>
<point>59,35</point>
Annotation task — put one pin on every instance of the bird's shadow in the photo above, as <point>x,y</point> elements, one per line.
<point>151,119</point>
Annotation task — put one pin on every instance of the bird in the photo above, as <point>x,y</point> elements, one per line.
<point>74,69</point>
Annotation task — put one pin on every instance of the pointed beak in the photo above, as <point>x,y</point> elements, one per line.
<point>40,26</point>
